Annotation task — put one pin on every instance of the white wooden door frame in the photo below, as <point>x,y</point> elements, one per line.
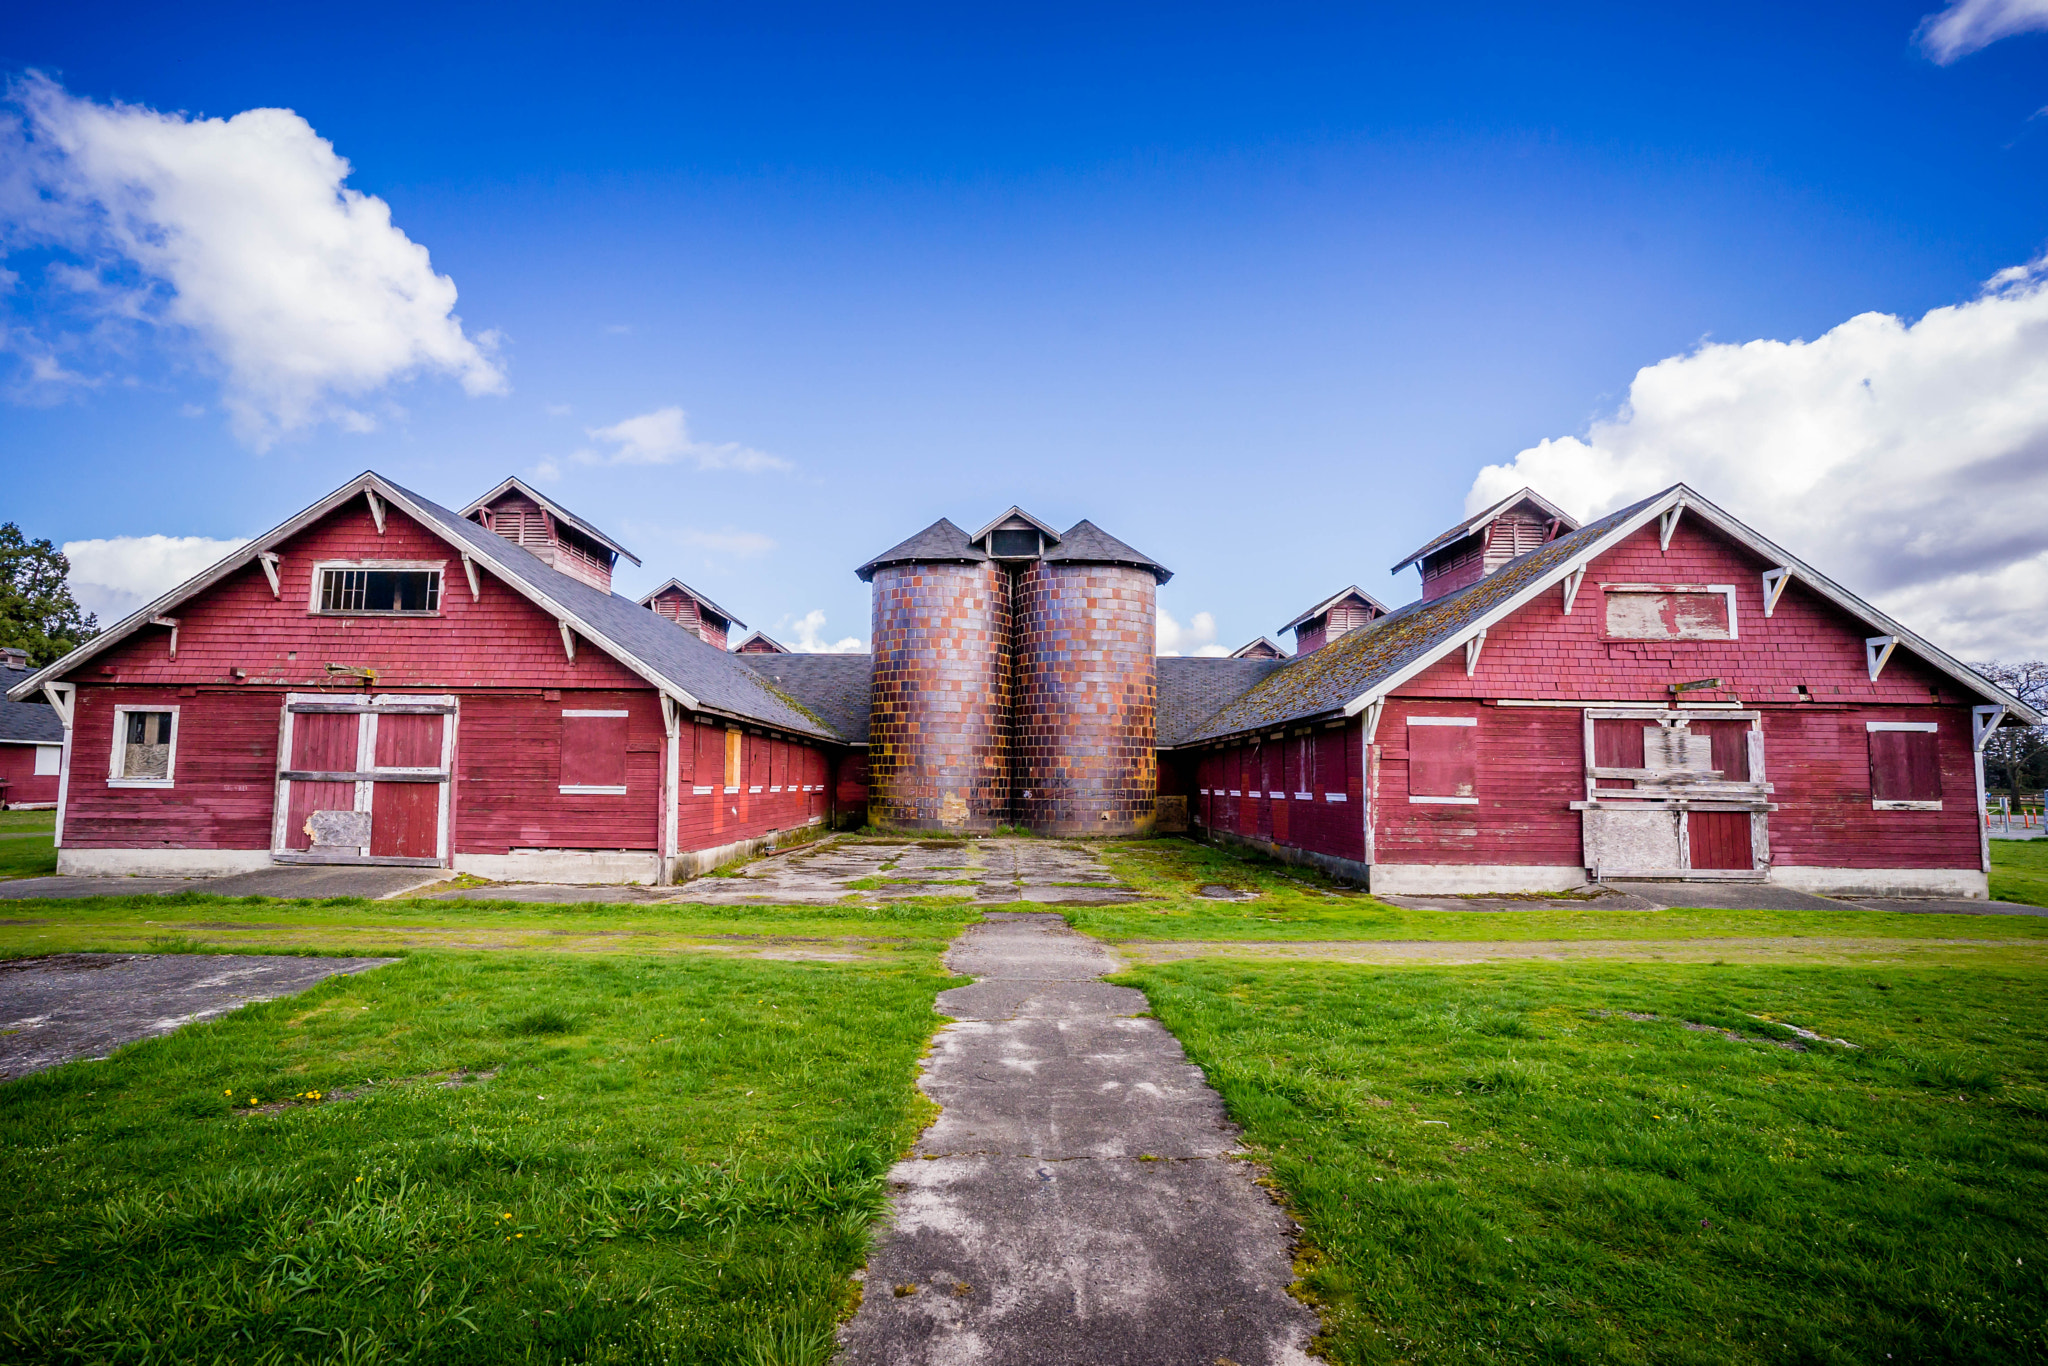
<point>367,773</point>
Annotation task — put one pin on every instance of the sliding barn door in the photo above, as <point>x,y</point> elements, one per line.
<point>364,779</point>
<point>1675,794</point>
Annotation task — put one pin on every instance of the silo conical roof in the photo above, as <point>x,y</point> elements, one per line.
<point>1087,543</point>
<point>939,543</point>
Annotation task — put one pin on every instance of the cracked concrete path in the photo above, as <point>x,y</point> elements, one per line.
<point>1080,1198</point>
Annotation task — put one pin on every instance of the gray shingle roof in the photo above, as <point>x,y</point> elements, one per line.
<point>1193,688</point>
<point>1087,543</point>
<point>939,543</point>
<point>704,604</point>
<point>1473,524</point>
<point>1324,682</point>
<point>1354,591</point>
<point>836,687</point>
<point>718,680</point>
<point>30,721</point>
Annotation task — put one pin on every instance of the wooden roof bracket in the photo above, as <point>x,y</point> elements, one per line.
<point>376,509</point>
<point>1983,721</point>
<point>1571,587</point>
<point>568,640</point>
<point>171,622</point>
<point>1472,651</point>
<point>1371,723</point>
<point>671,717</point>
<point>476,587</point>
<point>1667,524</point>
<point>61,696</point>
<point>1774,587</point>
<point>269,560</point>
<point>1877,652</point>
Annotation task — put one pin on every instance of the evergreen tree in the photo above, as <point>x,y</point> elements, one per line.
<point>37,611</point>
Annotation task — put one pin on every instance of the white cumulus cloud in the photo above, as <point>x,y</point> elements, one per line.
<point>662,437</point>
<point>806,635</point>
<point>1198,637</point>
<point>115,576</point>
<point>239,233</point>
<point>1907,460</point>
<point>1968,25</point>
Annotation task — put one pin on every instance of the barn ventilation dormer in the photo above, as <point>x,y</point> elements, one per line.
<point>1016,535</point>
<point>554,535</point>
<point>1333,618</point>
<point>1473,549</point>
<point>692,611</point>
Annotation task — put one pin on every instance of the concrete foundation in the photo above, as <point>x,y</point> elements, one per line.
<point>1343,869</point>
<point>1469,879</point>
<point>1960,884</point>
<point>159,862</point>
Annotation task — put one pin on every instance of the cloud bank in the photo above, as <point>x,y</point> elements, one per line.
<point>115,576</point>
<point>241,235</point>
<point>1969,25</point>
<point>1909,461</point>
<point>662,437</point>
<point>1198,637</point>
<point>806,635</point>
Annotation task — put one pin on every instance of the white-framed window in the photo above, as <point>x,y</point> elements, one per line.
<point>49,760</point>
<point>1905,765</point>
<point>145,746</point>
<point>377,588</point>
<point>1443,760</point>
<point>1670,611</point>
<point>594,752</point>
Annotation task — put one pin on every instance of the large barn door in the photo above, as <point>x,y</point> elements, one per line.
<point>364,779</point>
<point>1676,794</point>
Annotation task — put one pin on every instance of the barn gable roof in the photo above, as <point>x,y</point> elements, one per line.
<point>1193,688</point>
<point>647,600</point>
<point>29,723</point>
<point>1354,591</point>
<point>1369,663</point>
<point>1493,514</point>
<point>837,687</point>
<point>515,484</point>
<point>673,660</point>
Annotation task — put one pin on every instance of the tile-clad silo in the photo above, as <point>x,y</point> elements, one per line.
<point>1086,688</point>
<point>938,738</point>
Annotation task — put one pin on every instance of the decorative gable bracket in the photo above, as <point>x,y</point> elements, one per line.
<point>1774,588</point>
<point>568,641</point>
<point>376,509</point>
<point>1571,587</point>
<point>1667,524</point>
<point>1371,724</point>
<point>1472,652</point>
<point>171,622</point>
<point>61,696</point>
<point>476,588</point>
<point>1877,652</point>
<point>1984,721</point>
<point>269,560</point>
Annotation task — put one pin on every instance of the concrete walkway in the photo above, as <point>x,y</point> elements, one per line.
<point>291,881</point>
<point>1078,1199</point>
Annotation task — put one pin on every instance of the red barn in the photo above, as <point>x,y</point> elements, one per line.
<point>1663,693</point>
<point>31,751</point>
<point>382,680</point>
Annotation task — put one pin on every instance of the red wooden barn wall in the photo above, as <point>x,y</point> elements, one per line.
<point>500,655</point>
<point>1271,775</point>
<point>18,771</point>
<point>706,820</point>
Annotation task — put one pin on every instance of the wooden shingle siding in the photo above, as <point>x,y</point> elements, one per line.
<point>226,772</point>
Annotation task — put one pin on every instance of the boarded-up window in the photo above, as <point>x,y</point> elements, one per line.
<point>1730,746</point>
<point>1720,839</point>
<point>1670,612</point>
<point>733,740</point>
<point>1442,759</point>
<point>1905,765</point>
<point>1618,744</point>
<point>594,752</point>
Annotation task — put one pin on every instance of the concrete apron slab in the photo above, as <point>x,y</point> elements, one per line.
<point>1080,1198</point>
<point>296,882</point>
<point>85,1005</point>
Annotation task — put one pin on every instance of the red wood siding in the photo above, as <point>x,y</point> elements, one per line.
<point>1819,761</point>
<point>226,772</point>
<point>594,750</point>
<point>509,771</point>
<point>1286,786</point>
<point>18,771</point>
<point>322,744</point>
<point>706,820</point>
<point>1529,766</point>
<point>1720,839</point>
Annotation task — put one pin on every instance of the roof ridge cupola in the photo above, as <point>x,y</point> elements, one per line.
<point>1334,618</point>
<point>1476,547</point>
<point>1015,535</point>
<point>552,534</point>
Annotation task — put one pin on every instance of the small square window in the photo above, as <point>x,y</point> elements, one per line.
<point>145,747</point>
<point>1012,543</point>
<point>380,590</point>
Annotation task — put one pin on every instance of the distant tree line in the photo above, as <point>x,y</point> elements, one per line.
<point>37,611</point>
<point>2016,757</point>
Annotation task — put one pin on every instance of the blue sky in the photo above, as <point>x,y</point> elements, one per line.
<point>1260,290</point>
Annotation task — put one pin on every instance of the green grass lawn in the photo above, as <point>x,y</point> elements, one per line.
<point>30,857</point>
<point>638,1159</point>
<point>371,928</point>
<point>2019,871</point>
<point>27,820</point>
<point>1501,1163</point>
